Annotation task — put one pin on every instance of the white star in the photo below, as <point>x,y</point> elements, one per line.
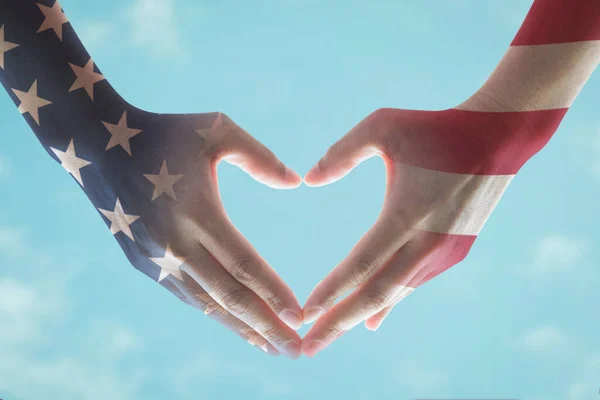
<point>208,134</point>
<point>86,77</point>
<point>212,134</point>
<point>119,221</point>
<point>54,19</point>
<point>170,264</point>
<point>71,162</point>
<point>120,134</point>
<point>205,133</point>
<point>163,182</point>
<point>4,46</point>
<point>30,102</point>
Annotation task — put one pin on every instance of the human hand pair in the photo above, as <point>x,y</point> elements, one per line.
<point>160,198</point>
<point>153,176</point>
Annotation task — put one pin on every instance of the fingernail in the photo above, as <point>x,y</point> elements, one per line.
<point>292,349</point>
<point>312,314</point>
<point>270,350</point>
<point>373,328</point>
<point>291,318</point>
<point>313,347</point>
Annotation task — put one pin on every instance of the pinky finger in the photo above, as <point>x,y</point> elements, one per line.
<point>374,322</point>
<point>197,297</point>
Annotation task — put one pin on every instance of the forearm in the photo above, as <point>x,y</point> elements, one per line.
<point>549,61</point>
<point>48,73</point>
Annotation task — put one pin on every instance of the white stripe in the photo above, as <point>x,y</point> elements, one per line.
<point>444,202</point>
<point>539,77</point>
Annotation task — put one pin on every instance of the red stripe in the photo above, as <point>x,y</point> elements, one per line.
<point>454,249</point>
<point>560,21</point>
<point>471,142</point>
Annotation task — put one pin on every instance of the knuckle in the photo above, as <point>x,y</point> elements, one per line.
<point>212,148</point>
<point>364,268</point>
<point>236,302</point>
<point>202,299</point>
<point>379,114</point>
<point>378,299</point>
<point>380,119</point>
<point>218,137</point>
<point>274,301</point>
<point>333,330</point>
<point>243,269</point>
<point>391,146</point>
<point>272,333</point>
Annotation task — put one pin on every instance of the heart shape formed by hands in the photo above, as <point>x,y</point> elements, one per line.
<point>153,178</point>
<point>166,213</point>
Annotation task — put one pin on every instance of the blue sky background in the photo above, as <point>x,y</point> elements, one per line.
<point>514,320</point>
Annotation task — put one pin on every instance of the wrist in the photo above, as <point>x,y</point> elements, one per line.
<point>531,78</point>
<point>495,143</point>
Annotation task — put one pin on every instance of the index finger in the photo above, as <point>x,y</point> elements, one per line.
<point>373,251</point>
<point>227,244</point>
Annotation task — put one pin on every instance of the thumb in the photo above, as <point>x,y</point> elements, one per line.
<point>247,153</point>
<point>341,158</point>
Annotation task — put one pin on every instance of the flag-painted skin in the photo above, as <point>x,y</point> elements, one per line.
<point>446,170</point>
<point>152,177</point>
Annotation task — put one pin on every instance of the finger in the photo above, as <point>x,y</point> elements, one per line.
<point>197,297</point>
<point>373,251</point>
<point>241,302</point>
<point>231,143</point>
<point>370,298</point>
<point>167,284</point>
<point>373,323</point>
<point>376,320</point>
<point>441,261</point>
<point>246,266</point>
<point>341,158</point>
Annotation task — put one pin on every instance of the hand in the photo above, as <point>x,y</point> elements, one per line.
<point>446,170</point>
<point>153,178</point>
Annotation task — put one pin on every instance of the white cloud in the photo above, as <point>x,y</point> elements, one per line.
<point>24,308</point>
<point>419,379</point>
<point>94,33</point>
<point>63,378</point>
<point>544,338</point>
<point>558,252</point>
<point>586,386</point>
<point>115,340</point>
<point>29,313</point>
<point>12,241</point>
<point>15,298</point>
<point>205,366</point>
<point>154,27</point>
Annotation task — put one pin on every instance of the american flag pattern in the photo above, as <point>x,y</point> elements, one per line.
<point>133,165</point>
<point>448,169</point>
<point>544,48</point>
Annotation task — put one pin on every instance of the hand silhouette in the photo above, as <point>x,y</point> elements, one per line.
<point>151,176</point>
<point>159,196</point>
<point>446,170</point>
